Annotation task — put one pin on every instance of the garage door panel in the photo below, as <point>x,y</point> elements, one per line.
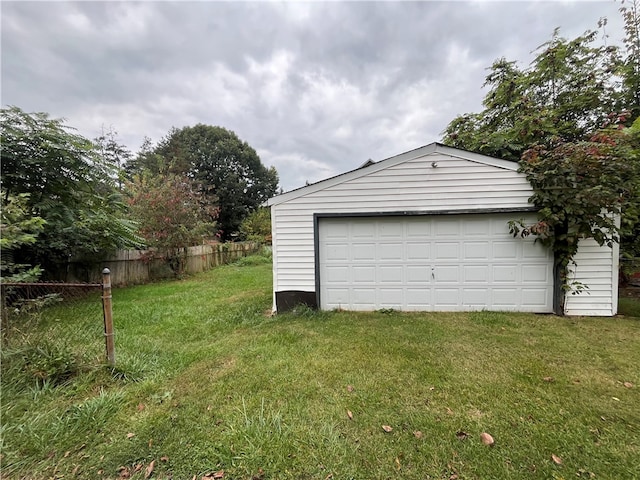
<point>476,251</point>
<point>363,274</point>
<point>390,252</point>
<point>364,252</point>
<point>419,274</point>
<point>531,250</point>
<point>505,273</point>
<point>386,274</point>
<point>534,273</point>
<point>417,298</point>
<point>419,230</point>
<point>447,227</point>
<point>417,251</point>
<point>505,250</point>
<point>447,274</point>
<point>446,297</point>
<point>534,296</point>
<point>506,298</point>
<point>445,262</point>
<point>337,252</point>
<point>476,274</point>
<point>336,274</point>
<point>391,298</point>
<point>447,251</point>
<point>476,228</point>
<point>476,297</point>
<point>391,230</point>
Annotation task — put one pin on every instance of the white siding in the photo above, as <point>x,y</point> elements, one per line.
<point>414,185</point>
<point>597,268</point>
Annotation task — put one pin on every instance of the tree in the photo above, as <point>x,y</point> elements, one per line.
<point>18,227</point>
<point>256,227</point>
<point>566,93</point>
<point>628,65</point>
<point>555,117</point>
<point>170,211</point>
<point>69,185</point>
<point>223,166</point>
<point>581,190</point>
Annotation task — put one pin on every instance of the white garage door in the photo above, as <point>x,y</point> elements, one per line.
<point>435,262</point>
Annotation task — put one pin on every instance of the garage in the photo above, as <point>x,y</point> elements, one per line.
<point>431,263</point>
<point>426,230</point>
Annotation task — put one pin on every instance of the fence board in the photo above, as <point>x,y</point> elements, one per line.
<point>129,267</point>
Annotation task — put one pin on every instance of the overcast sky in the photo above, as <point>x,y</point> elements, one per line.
<point>316,88</point>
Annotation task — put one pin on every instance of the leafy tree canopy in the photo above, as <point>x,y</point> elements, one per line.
<point>170,211</point>
<point>556,118</point>
<point>222,164</point>
<point>256,227</point>
<point>567,93</point>
<point>68,184</point>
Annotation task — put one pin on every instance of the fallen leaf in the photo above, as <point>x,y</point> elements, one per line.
<point>556,459</point>
<point>131,435</point>
<point>487,439</point>
<point>140,407</point>
<point>398,466</point>
<point>417,434</point>
<point>462,435</point>
<point>100,472</point>
<point>387,428</point>
<point>454,476</point>
<point>219,474</point>
<point>164,459</point>
<point>449,411</point>
<point>75,470</point>
<point>208,408</point>
<point>350,414</point>
<point>149,471</point>
<point>628,384</point>
<point>349,388</point>
<point>548,379</point>
<point>137,467</point>
<point>616,399</point>
<point>124,472</point>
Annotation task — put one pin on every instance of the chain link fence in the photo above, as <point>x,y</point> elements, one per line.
<point>51,331</point>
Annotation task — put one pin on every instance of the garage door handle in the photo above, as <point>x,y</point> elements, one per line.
<point>433,273</point>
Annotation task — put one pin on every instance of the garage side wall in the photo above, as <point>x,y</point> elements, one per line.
<point>597,268</point>
<point>430,183</point>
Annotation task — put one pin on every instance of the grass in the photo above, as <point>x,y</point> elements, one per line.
<point>207,381</point>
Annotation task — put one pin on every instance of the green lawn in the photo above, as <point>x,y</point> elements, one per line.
<point>207,382</point>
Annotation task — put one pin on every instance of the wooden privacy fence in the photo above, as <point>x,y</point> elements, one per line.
<point>129,267</point>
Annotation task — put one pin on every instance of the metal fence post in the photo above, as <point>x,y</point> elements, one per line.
<point>108,316</point>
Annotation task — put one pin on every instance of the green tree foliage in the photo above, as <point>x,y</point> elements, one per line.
<point>555,117</point>
<point>18,227</point>
<point>581,190</point>
<point>170,211</point>
<point>567,93</point>
<point>69,185</point>
<point>629,60</point>
<point>256,227</point>
<point>223,165</point>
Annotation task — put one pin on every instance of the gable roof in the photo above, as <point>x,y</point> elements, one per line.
<point>370,167</point>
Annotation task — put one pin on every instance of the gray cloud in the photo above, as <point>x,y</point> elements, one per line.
<point>316,88</point>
